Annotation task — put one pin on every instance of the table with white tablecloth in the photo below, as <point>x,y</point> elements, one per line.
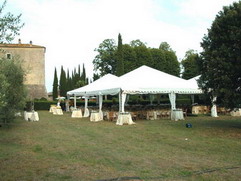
<point>124,118</point>
<point>151,115</point>
<point>57,110</point>
<point>31,116</point>
<point>95,117</point>
<point>236,112</point>
<point>52,107</point>
<point>177,114</point>
<point>76,113</point>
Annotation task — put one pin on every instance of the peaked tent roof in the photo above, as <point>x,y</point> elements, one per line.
<point>146,80</point>
<point>99,84</point>
<point>194,81</point>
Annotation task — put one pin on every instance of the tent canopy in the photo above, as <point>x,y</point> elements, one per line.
<point>99,84</point>
<point>146,80</point>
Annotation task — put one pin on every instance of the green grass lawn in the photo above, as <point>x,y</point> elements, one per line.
<point>64,148</point>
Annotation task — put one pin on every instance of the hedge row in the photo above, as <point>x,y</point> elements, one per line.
<point>45,105</point>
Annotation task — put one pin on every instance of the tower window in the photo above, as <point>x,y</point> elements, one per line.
<point>9,56</point>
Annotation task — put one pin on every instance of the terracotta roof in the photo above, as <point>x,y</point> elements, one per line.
<point>20,46</point>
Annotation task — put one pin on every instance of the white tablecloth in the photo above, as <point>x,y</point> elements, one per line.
<point>124,118</point>
<point>177,115</point>
<point>95,117</point>
<point>236,112</point>
<point>151,115</point>
<point>57,110</point>
<point>31,116</point>
<point>52,107</point>
<point>76,114</point>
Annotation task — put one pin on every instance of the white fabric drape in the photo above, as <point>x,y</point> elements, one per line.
<point>86,113</point>
<point>172,98</point>
<point>74,101</point>
<point>100,106</point>
<point>214,107</point>
<point>122,99</point>
<point>127,98</point>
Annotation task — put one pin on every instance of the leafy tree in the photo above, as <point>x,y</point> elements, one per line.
<point>190,64</point>
<point>165,46</point>
<point>159,61</point>
<point>104,61</point>
<point>129,57</point>
<point>62,83</point>
<point>221,57</point>
<point>137,43</point>
<point>10,25</point>
<point>135,55</point>
<point>55,85</point>
<point>173,66</point>
<point>171,63</point>
<point>119,58</point>
<point>143,56</point>
<point>96,77</point>
<point>12,90</point>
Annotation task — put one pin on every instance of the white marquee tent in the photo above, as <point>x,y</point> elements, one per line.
<point>146,80</point>
<point>143,80</point>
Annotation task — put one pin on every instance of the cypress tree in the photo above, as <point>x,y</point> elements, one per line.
<point>72,80</point>
<point>55,85</point>
<point>62,83</point>
<point>79,71</point>
<point>119,58</point>
<point>68,81</point>
<point>83,76</point>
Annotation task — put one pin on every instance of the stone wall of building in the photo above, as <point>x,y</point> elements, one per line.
<point>32,58</point>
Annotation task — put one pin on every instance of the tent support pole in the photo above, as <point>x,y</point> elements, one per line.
<point>74,101</point>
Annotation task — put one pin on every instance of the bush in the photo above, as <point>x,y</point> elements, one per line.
<point>43,105</point>
<point>12,90</point>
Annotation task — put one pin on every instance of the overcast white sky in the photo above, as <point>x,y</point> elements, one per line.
<point>72,29</point>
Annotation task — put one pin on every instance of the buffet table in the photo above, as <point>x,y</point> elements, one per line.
<point>95,117</point>
<point>236,112</point>
<point>177,114</point>
<point>124,118</point>
<point>57,110</point>
<point>31,116</point>
<point>76,113</point>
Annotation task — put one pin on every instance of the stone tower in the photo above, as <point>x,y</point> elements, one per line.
<point>32,58</point>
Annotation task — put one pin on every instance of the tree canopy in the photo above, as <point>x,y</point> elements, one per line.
<point>10,25</point>
<point>134,55</point>
<point>12,90</point>
<point>190,65</point>
<point>104,62</point>
<point>221,57</point>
